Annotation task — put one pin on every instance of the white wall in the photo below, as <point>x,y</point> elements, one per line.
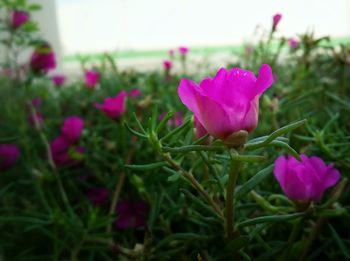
<point>100,25</point>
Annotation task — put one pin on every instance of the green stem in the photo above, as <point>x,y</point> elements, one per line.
<point>50,160</point>
<point>193,182</point>
<point>230,192</point>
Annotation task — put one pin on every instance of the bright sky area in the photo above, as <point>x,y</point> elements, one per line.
<point>100,25</point>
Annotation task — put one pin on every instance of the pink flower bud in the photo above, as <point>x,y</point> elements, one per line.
<point>72,128</point>
<point>113,107</point>
<point>43,59</point>
<point>58,79</point>
<point>304,180</point>
<point>167,65</point>
<point>91,78</point>
<point>227,103</point>
<point>275,21</point>
<point>18,18</point>
<point>9,154</point>
<point>293,43</point>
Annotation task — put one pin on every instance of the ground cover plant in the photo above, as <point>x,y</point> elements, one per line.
<point>245,162</point>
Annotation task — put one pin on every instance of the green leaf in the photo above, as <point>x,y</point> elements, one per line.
<point>237,244</point>
<point>147,166</point>
<point>344,250</point>
<point>136,133</point>
<point>275,135</point>
<point>272,218</point>
<point>34,7</point>
<point>191,148</point>
<point>176,131</point>
<point>164,122</point>
<point>253,182</point>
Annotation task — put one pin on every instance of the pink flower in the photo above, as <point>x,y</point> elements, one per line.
<point>9,154</point>
<point>131,214</point>
<point>134,93</point>
<point>63,153</point>
<point>58,79</point>
<point>98,196</point>
<point>36,102</point>
<point>167,65</point>
<point>227,103</point>
<point>113,107</point>
<point>293,43</point>
<point>72,128</point>
<point>304,180</point>
<point>18,18</point>
<point>91,78</point>
<point>43,59</point>
<point>275,21</point>
<point>171,53</point>
<point>183,50</point>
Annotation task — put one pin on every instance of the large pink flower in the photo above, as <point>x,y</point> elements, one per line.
<point>18,18</point>
<point>72,128</point>
<point>304,180</point>
<point>227,103</point>
<point>43,59</point>
<point>113,107</point>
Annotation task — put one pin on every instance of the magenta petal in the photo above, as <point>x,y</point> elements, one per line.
<point>280,170</point>
<point>265,78</point>
<point>188,90</point>
<point>215,118</point>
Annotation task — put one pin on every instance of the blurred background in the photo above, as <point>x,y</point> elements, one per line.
<point>141,32</point>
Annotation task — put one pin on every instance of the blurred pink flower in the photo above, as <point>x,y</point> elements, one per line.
<point>131,214</point>
<point>72,128</point>
<point>167,65</point>
<point>91,78</point>
<point>98,196</point>
<point>18,18</point>
<point>293,43</point>
<point>171,53</point>
<point>43,59</point>
<point>227,103</point>
<point>134,93</point>
<point>304,180</point>
<point>9,153</point>
<point>58,79</point>
<point>183,50</point>
<point>36,102</point>
<point>113,107</point>
<point>275,21</point>
<point>176,120</point>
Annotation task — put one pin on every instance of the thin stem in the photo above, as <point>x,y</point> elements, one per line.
<point>313,235</point>
<point>50,159</point>
<point>193,182</point>
<point>121,181</point>
<point>230,192</point>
